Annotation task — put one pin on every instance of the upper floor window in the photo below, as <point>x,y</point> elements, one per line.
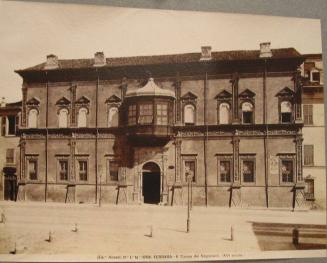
<point>146,114</point>
<point>113,117</point>
<point>247,113</point>
<point>33,118</point>
<point>162,114</point>
<point>10,156</point>
<point>82,117</point>
<point>308,153</point>
<point>9,125</point>
<point>224,113</point>
<point>315,75</point>
<point>286,112</point>
<point>63,118</point>
<point>308,114</point>
<point>132,114</point>
<point>189,114</point>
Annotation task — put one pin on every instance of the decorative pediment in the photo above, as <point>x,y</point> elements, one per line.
<point>223,95</point>
<point>63,102</point>
<point>189,96</point>
<point>113,99</point>
<point>33,102</point>
<point>285,92</point>
<point>83,100</point>
<point>246,94</point>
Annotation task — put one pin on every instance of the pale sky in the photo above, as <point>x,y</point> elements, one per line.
<point>30,31</point>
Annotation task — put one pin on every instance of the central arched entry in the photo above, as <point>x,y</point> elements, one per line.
<point>151,183</point>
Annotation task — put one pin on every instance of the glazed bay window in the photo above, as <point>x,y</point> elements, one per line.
<point>82,170</point>
<point>287,170</point>
<point>248,170</point>
<point>132,114</point>
<point>162,114</point>
<point>145,114</point>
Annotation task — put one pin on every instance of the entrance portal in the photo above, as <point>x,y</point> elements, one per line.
<point>10,186</point>
<point>151,183</point>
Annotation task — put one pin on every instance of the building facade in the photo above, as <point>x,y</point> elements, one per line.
<point>9,146</point>
<point>132,130</point>
<point>314,164</point>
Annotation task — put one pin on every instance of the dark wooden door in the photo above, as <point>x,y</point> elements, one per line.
<point>151,187</point>
<point>10,187</point>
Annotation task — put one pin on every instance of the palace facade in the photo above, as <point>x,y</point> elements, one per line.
<point>133,129</point>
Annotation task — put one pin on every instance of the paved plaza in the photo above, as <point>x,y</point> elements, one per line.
<point>126,229</point>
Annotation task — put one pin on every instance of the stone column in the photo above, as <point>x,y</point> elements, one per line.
<point>298,148</point>
<point>73,107</point>
<point>298,96</point>
<point>236,152</point>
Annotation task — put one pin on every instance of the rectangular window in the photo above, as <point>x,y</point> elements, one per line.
<point>3,125</point>
<point>309,189</point>
<point>308,114</point>
<point>162,114</point>
<point>308,154</point>
<point>132,114</point>
<point>287,172</point>
<point>316,76</point>
<point>113,170</point>
<point>32,169</point>
<point>82,170</point>
<point>248,170</point>
<point>10,158</point>
<point>63,170</point>
<point>224,171</point>
<point>247,117</point>
<point>190,169</point>
<point>11,125</point>
<point>146,114</point>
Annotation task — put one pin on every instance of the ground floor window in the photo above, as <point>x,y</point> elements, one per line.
<point>63,169</point>
<point>83,171</point>
<point>112,170</point>
<point>248,170</point>
<point>287,170</point>
<point>225,168</point>
<point>190,169</point>
<point>32,166</point>
<point>309,189</point>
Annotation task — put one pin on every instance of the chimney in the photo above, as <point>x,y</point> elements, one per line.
<point>3,102</point>
<point>205,53</point>
<point>265,51</point>
<point>99,59</point>
<point>52,62</point>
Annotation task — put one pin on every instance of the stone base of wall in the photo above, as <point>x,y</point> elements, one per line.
<point>248,196</point>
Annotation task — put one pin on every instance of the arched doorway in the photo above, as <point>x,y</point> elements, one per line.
<point>151,183</point>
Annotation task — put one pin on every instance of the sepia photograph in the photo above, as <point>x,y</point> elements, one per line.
<point>130,134</point>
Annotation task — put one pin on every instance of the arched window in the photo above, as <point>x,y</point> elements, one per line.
<point>82,120</point>
<point>189,114</point>
<point>32,118</point>
<point>113,117</point>
<point>224,109</point>
<point>286,112</point>
<point>63,118</point>
<point>247,113</point>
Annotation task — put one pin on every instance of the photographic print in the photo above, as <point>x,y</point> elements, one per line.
<point>157,135</point>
